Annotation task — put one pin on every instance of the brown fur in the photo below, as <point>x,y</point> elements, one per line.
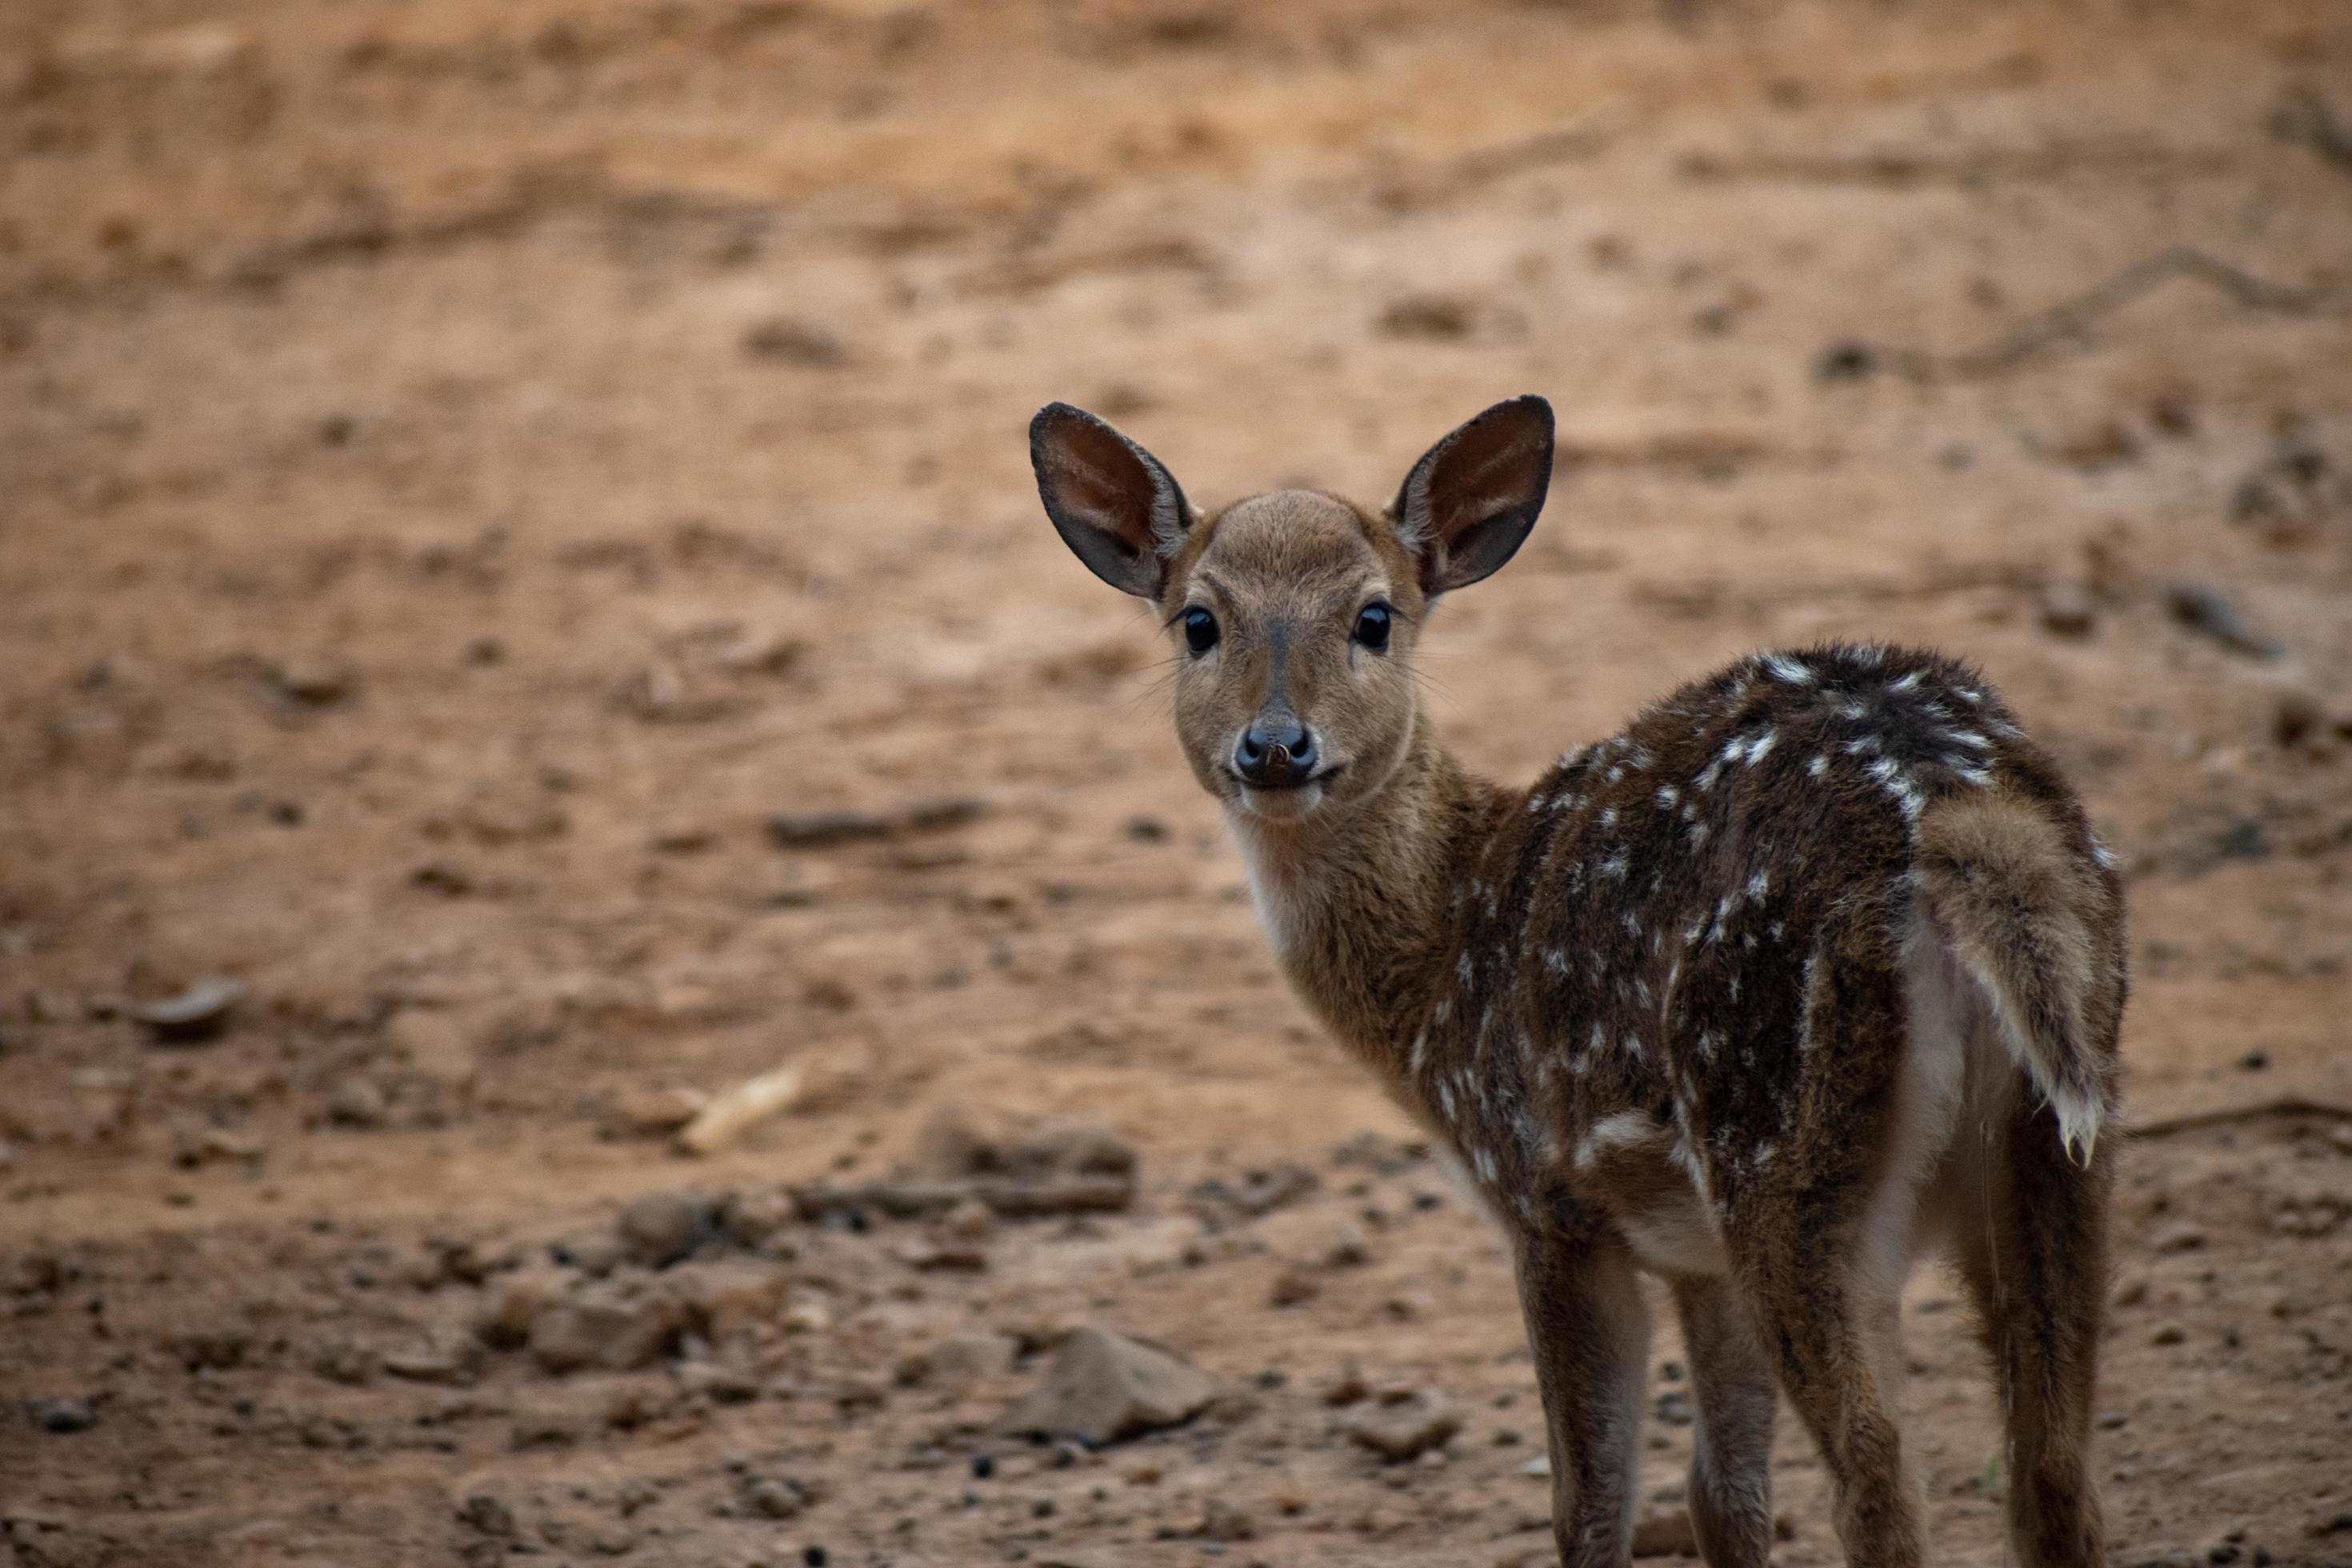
<point>1761,994</point>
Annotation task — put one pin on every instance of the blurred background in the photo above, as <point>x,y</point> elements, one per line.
<point>524,621</point>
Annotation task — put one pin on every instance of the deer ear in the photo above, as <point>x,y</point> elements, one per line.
<point>1469,502</point>
<point>1113,504</point>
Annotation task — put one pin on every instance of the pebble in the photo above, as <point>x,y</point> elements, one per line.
<point>199,1012</point>
<point>1100,1386</point>
<point>2067,610</point>
<point>660,1229</point>
<point>358,1102</point>
<point>1404,1425</point>
<point>612,1325</point>
<point>62,1417</point>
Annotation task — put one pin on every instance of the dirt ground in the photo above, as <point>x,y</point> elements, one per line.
<point>464,470</point>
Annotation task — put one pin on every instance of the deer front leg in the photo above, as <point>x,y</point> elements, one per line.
<point>1591,1337</point>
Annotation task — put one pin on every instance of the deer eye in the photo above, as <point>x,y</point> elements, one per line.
<point>1373,626</point>
<point>1200,630</point>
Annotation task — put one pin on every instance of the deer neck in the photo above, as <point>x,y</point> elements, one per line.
<point>1360,903</point>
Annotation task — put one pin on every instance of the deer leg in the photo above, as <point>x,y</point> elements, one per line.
<point>1731,1462</point>
<point>2036,1263</point>
<point>1590,1336</point>
<point>1824,1244</point>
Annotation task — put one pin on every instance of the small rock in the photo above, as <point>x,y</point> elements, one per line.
<point>2180,1238</point>
<point>1294,1287</point>
<point>2202,609</point>
<point>595,1252</point>
<point>1101,1386</point>
<point>486,1513</point>
<point>1403,1426</point>
<point>612,1325</point>
<point>1665,1533</point>
<point>198,1012</point>
<point>2169,1334</point>
<point>970,1220</point>
<point>772,1497</point>
<point>724,1296</point>
<point>2297,717</point>
<point>810,1316</point>
<point>63,1417</point>
<point>1431,317</point>
<point>358,1102</point>
<point>433,1359</point>
<point>314,683</point>
<point>1224,1521</point>
<point>2067,610</point>
<point>792,342</point>
<point>511,1304</point>
<point>1845,361</point>
<point>659,1228</point>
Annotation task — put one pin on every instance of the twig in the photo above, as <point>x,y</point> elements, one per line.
<point>2072,319</point>
<point>2255,1110</point>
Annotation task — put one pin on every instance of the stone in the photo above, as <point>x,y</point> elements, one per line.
<point>64,1416</point>
<point>511,1302</point>
<point>614,1325</point>
<point>1404,1425</point>
<point>1100,1386</point>
<point>660,1229</point>
<point>198,1012</point>
<point>2067,610</point>
<point>358,1102</point>
<point>434,1358</point>
<point>1665,1533</point>
<point>726,1296</point>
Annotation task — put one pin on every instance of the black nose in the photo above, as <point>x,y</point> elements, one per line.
<point>1275,754</point>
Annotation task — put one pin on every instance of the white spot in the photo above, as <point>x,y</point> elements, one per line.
<point>1614,867</point>
<point>1795,671</point>
<point>2101,854</point>
<point>1442,1011</point>
<point>1758,883</point>
<point>1763,1155</point>
<point>1969,738</point>
<point>1697,834</point>
<point>1556,961</point>
<point>1464,969</point>
<point>1862,746</point>
<point>1446,1100</point>
<point>1904,682</point>
<point>1819,765</point>
<point>1668,794</point>
<point>1707,775</point>
<point>1420,1052</point>
<point>1761,744</point>
<point>1634,1047</point>
<point>1607,817</point>
<point>1600,1040</point>
<point>1870,655</point>
<point>1632,923</point>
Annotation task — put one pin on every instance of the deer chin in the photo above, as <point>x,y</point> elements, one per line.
<point>1295,804</point>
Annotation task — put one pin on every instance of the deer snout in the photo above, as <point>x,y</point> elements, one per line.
<point>1276,753</point>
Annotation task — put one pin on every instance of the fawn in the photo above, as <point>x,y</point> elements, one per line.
<point>1814,964</point>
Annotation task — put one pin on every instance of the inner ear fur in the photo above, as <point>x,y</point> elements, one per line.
<point>1469,503</point>
<point>1113,503</point>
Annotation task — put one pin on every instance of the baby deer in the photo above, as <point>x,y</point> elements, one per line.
<point>1817,963</point>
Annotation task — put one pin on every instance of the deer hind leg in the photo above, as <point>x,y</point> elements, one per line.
<point>2036,1260</point>
<point>1731,1463</point>
<point>1824,1249</point>
<point>1590,1336</point>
